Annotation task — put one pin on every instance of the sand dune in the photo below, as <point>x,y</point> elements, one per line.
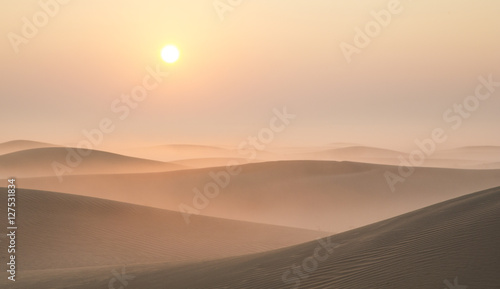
<point>471,150</point>
<point>346,153</point>
<point>478,157</point>
<point>305,194</point>
<point>61,231</point>
<point>358,151</point>
<point>186,152</point>
<point>42,161</point>
<point>176,152</point>
<point>442,246</point>
<point>421,249</point>
<point>210,162</point>
<point>487,166</point>
<point>19,145</point>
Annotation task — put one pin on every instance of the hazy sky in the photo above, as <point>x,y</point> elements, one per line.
<point>232,73</point>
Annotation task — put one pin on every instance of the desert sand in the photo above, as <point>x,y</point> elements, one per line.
<point>301,194</point>
<point>20,145</point>
<point>117,214</point>
<point>59,231</point>
<point>53,161</point>
<point>454,242</point>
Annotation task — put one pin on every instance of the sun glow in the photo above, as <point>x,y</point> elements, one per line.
<point>170,54</point>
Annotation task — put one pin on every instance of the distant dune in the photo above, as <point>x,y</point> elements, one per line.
<point>307,194</point>
<point>210,162</point>
<point>41,162</point>
<point>360,151</point>
<point>19,145</point>
<point>183,152</point>
<point>477,157</point>
<point>176,152</point>
<point>453,244</point>
<point>484,154</point>
<point>495,149</point>
<point>347,153</point>
<point>68,231</point>
<point>487,166</point>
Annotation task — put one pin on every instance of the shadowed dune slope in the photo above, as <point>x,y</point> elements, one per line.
<point>427,248</point>
<point>66,231</point>
<point>63,161</point>
<point>303,194</point>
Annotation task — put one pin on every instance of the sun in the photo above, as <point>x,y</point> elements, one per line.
<point>170,53</point>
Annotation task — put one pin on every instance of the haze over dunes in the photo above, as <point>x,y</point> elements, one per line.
<point>476,157</point>
<point>116,212</point>
<point>230,144</point>
<point>303,194</point>
<point>173,152</point>
<point>420,249</point>
<point>19,145</point>
<point>61,231</point>
<point>54,161</point>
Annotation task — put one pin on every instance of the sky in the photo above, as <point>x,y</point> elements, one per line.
<point>238,64</point>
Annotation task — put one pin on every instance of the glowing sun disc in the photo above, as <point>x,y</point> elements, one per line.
<point>170,53</point>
